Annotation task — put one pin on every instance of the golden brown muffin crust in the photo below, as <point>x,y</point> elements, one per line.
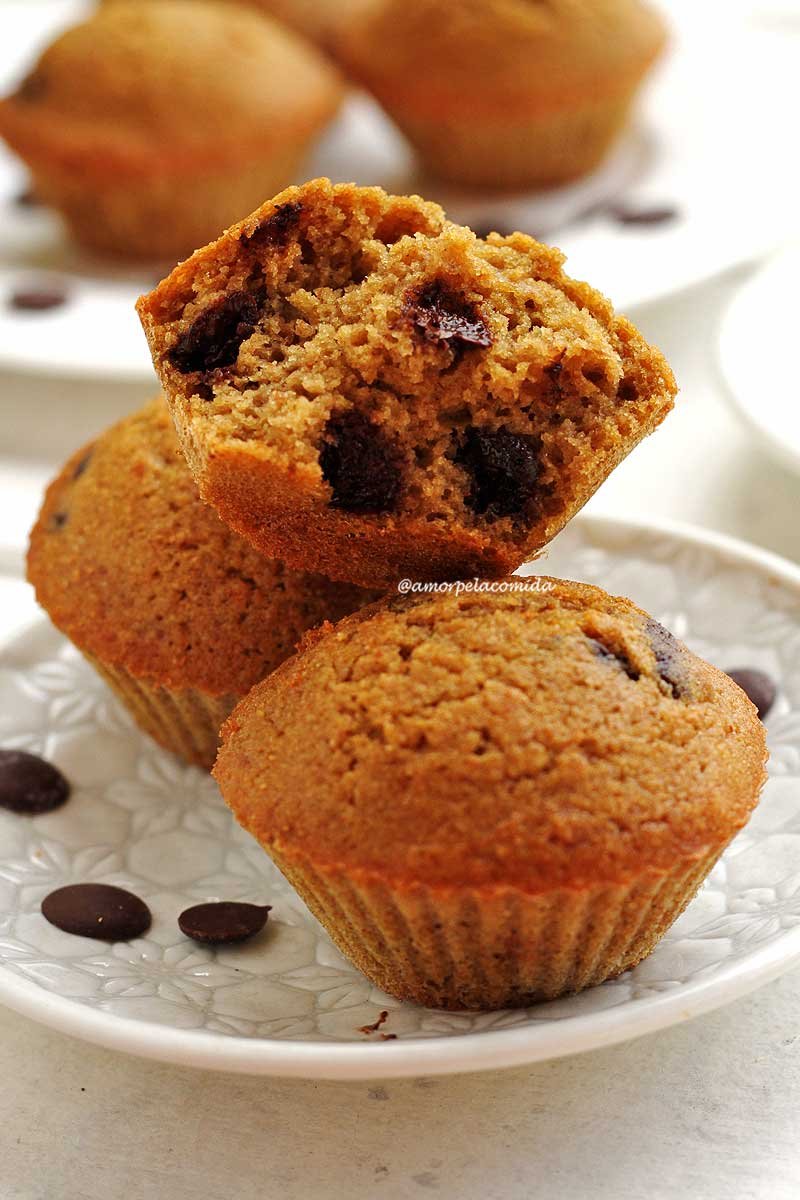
<point>529,739</point>
<point>141,575</point>
<point>501,55</point>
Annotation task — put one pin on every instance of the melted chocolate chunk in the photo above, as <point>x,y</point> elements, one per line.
<point>38,299</point>
<point>214,338</point>
<point>224,922</point>
<point>29,785</point>
<point>97,910</point>
<point>442,315</point>
<point>504,468</point>
<point>276,229</point>
<point>757,686</point>
<point>360,463</point>
<point>613,655</point>
<point>668,653</point>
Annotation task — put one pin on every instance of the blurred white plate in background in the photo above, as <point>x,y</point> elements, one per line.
<point>756,357</point>
<point>704,145</point>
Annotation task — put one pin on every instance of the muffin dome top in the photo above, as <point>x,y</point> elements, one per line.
<point>532,738</point>
<point>138,572</point>
<point>173,77</point>
<point>491,45</point>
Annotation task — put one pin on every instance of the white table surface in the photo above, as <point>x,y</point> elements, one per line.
<point>709,1109</point>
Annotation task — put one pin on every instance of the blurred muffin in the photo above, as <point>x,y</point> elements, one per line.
<point>153,126</point>
<point>506,93</point>
<point>494,798</point>
<point>324,21</point>
<point>176,613</point>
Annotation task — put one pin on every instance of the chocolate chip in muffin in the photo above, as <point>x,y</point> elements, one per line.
<point>504,470</point>
<point>668,653</point>
<point>277,228</point>
<point>58,520</point>
<point>758,686</point>
<point>213,340</point>
<point>442,315</point>
<point>360,464</point>
<point>81,466</point>
<point>613,655</point>
<point>29,785</point>
<point>223,922</point>
<point>97,910</point>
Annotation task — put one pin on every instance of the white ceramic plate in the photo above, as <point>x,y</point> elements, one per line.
<point>761,318</point>
<point>287,1003</point>
<point>702,143</point>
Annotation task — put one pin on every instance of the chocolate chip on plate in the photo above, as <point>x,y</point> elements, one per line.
<point>757,686</point>
<point>38,299</point>
<point>29,785</point>
<point>97,910</point>
<point>660,214</point>
<point>223,922</point>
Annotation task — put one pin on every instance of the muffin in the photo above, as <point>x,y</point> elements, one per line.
<point>506,93</point>
<point>176,613</point>
<point>324,21</point>
<point>152,126</point>
<point>365,389</point>
<point>495,797</point>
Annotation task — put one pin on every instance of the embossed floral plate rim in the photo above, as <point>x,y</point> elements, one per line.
<point>536,1041</point>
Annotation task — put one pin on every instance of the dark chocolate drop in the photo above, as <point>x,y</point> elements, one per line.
<point>29,785</point>
<point>97,910</point>
<point>223,922</point>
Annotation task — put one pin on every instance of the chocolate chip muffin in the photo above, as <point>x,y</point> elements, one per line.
<point>176,613</point>
<point>505,93</point>
<point>153,126</point>
<point>494,798</point>
<point>363,388</point>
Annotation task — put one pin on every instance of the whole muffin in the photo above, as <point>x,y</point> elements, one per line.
<point>494,798</point>
<point>505,93</point>
<point>176,613</point>
<point>364,388</point>
<point>153,126</point>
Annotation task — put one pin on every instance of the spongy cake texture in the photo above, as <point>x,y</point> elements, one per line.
<point>364,388</point>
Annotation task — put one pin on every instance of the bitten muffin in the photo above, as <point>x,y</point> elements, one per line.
<point>363,388</point>
<point>491,799</point>
<point>176,613</point>
<point>506,93</point>
<point>153,126</point>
